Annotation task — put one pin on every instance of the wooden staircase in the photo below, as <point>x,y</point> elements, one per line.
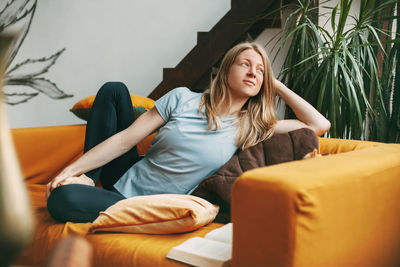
<point>242,22</point>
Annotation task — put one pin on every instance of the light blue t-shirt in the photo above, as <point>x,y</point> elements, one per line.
<point>183,152</point>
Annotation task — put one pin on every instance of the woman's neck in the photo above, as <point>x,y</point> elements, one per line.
<point>234,108</point>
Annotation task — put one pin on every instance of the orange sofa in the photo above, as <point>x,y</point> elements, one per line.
<point>336,210</point>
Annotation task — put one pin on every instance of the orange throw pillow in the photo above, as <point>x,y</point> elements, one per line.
<point>156,214</point>
<point>82,108</point>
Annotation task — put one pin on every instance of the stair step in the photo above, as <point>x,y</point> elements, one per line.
<point>202,37</point>
<point>234,2</point>
<point>169,73</point>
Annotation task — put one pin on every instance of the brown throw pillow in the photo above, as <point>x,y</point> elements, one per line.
<point>278,149</point>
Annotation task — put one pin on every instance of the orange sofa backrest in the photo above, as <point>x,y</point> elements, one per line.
<point>45,151</point>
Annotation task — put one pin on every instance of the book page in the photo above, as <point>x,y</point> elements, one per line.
<point>222,234</point>
<point>203,252</point>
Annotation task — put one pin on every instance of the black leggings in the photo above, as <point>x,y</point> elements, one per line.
<point>111,112</point>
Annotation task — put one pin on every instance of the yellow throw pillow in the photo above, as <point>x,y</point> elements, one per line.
<point>156,214</point>
<point>82,108</point>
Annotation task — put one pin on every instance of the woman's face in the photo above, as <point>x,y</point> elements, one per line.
<point>246,75</point>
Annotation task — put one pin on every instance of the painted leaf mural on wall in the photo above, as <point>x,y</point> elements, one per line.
<point>19,14</point>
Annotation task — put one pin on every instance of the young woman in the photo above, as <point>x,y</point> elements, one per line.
<point>197,134</point>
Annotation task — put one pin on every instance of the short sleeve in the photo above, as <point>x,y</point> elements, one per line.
<point>170,101</point>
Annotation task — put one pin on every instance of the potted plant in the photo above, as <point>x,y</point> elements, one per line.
<point>338,71</point>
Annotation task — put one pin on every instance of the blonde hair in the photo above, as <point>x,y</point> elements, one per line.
<point>258,115</point>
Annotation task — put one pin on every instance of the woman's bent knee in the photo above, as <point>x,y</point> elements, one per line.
<point>65,204</point>
<point>113,88</point>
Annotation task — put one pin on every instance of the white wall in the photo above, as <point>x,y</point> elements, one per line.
<point>124,40</point>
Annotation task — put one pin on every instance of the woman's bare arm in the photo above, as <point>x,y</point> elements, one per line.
<point>108,150</point>
<point>307,115</point>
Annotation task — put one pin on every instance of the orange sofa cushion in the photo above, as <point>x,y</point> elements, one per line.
<point>156,214</point>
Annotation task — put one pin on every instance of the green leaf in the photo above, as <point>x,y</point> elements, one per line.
<point>333,17</point>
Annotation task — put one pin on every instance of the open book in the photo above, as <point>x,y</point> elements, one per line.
<point>215,249</point>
